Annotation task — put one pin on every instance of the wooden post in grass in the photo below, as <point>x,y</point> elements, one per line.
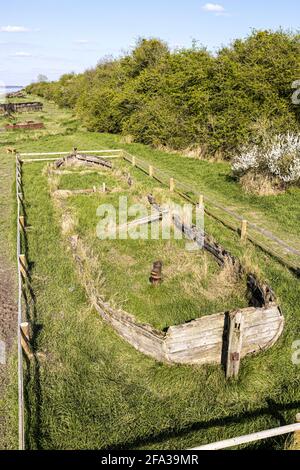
<point>235,341</point>
<point>104,187</point>
<point>22,222</point>
<point>23,266</point>
<point>25,339</point>
<point>244,230</point>
<point>172,185</point>
<point>151,171</point>
<point>133,161</point>
<point>201,200</point>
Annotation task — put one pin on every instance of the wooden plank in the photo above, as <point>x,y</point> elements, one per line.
<point>235,341</point>
<point>45,154</point>
<point>258,436</point>
<point>143,221</point>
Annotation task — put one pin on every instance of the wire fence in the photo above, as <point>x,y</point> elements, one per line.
<point>184,190</point>
<point>286,254</point>
<point>20,213</point>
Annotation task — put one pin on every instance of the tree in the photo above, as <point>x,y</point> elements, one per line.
<point>42,78</point>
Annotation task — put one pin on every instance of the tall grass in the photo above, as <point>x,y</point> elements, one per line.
<point>91,390</point>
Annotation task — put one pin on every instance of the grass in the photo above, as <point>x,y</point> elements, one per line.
<point>93,390</point>
<point>193,285</point>
<point>8,408</point>
<point>56,121</point>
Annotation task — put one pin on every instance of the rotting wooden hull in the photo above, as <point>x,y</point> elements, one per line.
<point>201,341</point>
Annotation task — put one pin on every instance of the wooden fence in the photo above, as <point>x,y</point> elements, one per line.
<point>21,263</point>
<point>165,345</point>
<point>258,436</point>
<point>259,236</point>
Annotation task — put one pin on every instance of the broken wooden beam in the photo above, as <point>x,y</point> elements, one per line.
<point>143,221</point>
<point>94,160</point>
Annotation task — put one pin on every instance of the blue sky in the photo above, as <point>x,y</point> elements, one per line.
<point>53,37</point>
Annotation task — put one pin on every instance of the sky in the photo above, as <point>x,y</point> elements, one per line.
<point>53,37</point>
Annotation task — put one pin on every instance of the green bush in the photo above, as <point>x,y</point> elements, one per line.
<point>189,97</point>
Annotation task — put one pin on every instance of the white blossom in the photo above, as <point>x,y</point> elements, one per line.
<point>279,158</point>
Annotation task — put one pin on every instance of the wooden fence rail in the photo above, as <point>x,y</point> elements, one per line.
<point>164,178</point>
<point>20,221</point>
<point>258,436</point>
<point>240,225</point>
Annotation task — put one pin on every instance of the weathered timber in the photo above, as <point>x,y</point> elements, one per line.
<point>201,341</point>
<point>235,344</point>
<point>16,94</point>
<point>198,342</point>
<point>25,126</point>
<point>156,273</point>
<point>65,193</point>
<point>95,160</point>
<point>244,229</point>
<point>83,159</point>
<point>9,108</point>
<point>143,221</point>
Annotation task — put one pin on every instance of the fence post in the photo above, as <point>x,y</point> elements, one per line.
<point>23,266</point>
<point>201,200</point>
<point>22,222</point>
<point>25,339</point>
<point>244,230</point>
<point>151,171</point>
<point>172,185</point>
<point>133,161</point>
<point>235,341</point>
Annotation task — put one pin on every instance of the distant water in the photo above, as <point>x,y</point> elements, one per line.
<point>9,89</point>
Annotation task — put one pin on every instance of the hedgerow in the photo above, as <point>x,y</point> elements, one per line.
<point>189,98</point>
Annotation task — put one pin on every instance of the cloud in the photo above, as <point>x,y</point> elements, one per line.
<point>213,7</point>
<point>22,54</point>
<point>14,29</point>
<point>81,41</point>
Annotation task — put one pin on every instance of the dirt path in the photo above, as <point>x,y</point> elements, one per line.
<point>8,307</point>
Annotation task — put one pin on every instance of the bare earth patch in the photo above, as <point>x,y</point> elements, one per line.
<point>8,325</point>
